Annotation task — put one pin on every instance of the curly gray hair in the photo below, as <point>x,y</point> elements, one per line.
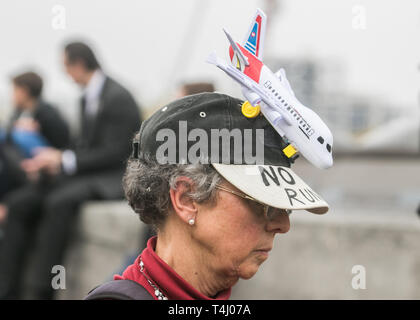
<point>147,184</point>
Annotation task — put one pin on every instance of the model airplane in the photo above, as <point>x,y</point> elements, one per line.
<point>271,93</point>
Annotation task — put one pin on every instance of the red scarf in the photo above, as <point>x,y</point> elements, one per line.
<point>164,277</point>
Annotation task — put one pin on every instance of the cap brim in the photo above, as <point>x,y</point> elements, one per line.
<point>275,186</point>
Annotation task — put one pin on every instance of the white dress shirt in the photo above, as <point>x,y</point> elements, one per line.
<point>92,93</point>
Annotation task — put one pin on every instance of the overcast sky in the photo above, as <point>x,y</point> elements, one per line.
<point>149,45</point>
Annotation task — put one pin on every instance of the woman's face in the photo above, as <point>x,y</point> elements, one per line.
<point>235,235</point>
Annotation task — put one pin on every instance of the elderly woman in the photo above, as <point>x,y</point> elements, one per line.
<point>215,218</point>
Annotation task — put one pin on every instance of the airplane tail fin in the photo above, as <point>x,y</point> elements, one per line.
<point>254,39</point>
<point>212,58</point>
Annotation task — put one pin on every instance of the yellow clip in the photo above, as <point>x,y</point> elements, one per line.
<point>289,151</point>
<point>249,111</point>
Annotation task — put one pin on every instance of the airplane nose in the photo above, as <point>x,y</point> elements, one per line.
<point>328,163</point>
<point>324,162</point>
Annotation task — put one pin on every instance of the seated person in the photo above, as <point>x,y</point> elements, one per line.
<point>26,137</point>
<point>34,123</point>
<point>41,214</point>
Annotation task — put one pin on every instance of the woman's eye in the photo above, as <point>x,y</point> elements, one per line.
<point>274,212</point>
<point>256,207</point>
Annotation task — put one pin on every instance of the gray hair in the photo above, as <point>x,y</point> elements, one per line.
<point>147,184</point>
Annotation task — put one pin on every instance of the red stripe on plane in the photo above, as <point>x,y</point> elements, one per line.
<point>255,65</point>
<point>258,35</point>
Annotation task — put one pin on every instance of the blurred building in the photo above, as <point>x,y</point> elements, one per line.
<point>359,123</point>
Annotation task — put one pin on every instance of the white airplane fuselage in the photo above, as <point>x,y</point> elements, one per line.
<point>299,125</point>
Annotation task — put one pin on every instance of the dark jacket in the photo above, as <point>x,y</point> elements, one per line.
<point>104,143</point>
<point>52,126</point>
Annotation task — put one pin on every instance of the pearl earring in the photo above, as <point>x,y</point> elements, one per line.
<point>191,222</point>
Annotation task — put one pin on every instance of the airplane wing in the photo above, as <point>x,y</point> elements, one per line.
<point>254,87</point>
<point>241,60</point>
<point>254,39</point>
<point>281,75</point>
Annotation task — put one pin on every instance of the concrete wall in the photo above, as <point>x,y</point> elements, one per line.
<point>313,261</point>
<point>106,234</point>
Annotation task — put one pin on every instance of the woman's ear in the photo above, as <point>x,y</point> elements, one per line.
<point>183,205</point>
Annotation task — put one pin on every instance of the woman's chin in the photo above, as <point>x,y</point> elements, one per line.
<point>249,270</point>
<point>249,273</point>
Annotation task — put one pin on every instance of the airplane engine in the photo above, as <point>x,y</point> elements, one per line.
<point>251,96</point>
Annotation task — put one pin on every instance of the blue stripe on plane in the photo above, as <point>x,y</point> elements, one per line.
<point>248,46</point>
<point>252,50</point>
<point>251,45</point>
<point>253,38</point>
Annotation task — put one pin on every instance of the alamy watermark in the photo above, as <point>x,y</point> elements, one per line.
<point>58,21</point>
<point>196,146</point>
<point>359,279</point>
<point>359,20</point>
<point>59,280</point>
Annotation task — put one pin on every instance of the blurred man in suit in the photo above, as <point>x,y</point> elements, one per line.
<point>92,169</point>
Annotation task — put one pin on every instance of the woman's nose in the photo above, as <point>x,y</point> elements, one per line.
<point>279,224</point>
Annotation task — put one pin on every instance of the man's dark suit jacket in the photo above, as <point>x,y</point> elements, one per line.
<point>104,143</point>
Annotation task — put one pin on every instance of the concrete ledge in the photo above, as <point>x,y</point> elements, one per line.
<point>108,223</point>
<point>106,234</point>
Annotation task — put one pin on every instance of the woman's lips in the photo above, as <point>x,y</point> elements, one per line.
<point>264,251</point>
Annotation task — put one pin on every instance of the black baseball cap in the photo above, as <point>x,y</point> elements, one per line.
<point>247,152</point>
